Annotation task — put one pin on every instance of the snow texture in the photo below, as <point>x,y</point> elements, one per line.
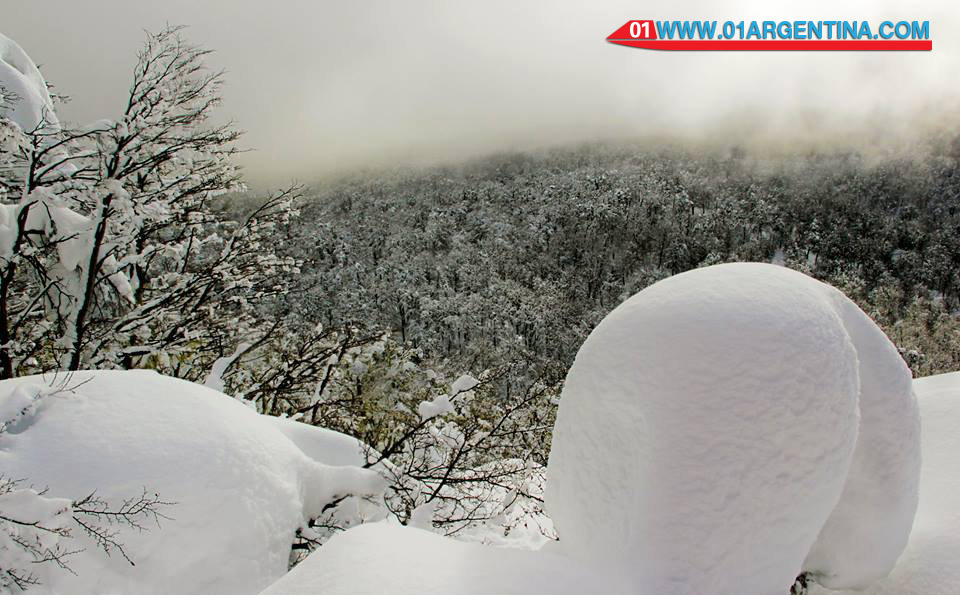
<point>869,527</point>
<point>463,384</point>
<point>333,448</point>
<point>929,565</point>
<point>708,427</point>
<point>27,506</point>
<point>241,488</point>
<point>32,108</point>
<point>383,558</point>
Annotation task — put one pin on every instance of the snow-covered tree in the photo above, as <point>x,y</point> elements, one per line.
<point>114,253</point>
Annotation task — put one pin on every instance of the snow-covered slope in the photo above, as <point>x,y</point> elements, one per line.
<point>379,558</point>
<point>707,430</point>
<point>241,488</point>
<point>931,563</point>
<point>32,108</point>
<point>383,558</point>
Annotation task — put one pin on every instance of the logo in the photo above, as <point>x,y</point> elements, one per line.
<point>775,35</point>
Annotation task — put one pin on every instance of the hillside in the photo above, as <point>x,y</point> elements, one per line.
<point>520,255</point>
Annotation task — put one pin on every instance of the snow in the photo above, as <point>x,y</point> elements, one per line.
<point>214,379</point>
<point>463,384</point>
<point>19,403</point>
<point>719,432</point>
<point>33,109</point>
<point>321,444</point>
<point>67,227</point>
<point>699,411</point>
<point>869,527</point>
<point>422,516</point>
<point>385,558</point>
<point>26,506</point>
<point>29,519</point>
<point>929,565</point>
<point>333,448</point>
<point>240,487</point>
<point>441,405</point>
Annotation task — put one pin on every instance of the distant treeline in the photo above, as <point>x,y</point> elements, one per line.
<point>522,254</point>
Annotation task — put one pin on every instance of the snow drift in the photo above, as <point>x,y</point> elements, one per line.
<point>382,558</point>
<point>869,527</point>
<point>718,422</point>
<point>241,488</point>
<point>929,565</point>
<point>379,558</point>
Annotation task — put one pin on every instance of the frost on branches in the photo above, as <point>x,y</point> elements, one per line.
<point>473,468</point>
<point>113,252</point>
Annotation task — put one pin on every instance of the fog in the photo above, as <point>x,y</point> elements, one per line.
<point>325,87</point>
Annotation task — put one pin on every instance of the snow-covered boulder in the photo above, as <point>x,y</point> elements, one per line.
<point>240,487</point>
<point>32,108</point>
<point>379,558</point>
<point>709,427</point>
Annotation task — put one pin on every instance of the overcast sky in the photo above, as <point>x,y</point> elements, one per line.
<point>326,86</point>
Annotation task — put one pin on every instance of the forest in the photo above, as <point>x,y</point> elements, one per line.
<point>518,256</point>
<point>398,340</point>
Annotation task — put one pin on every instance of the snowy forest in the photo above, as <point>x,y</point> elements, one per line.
<point>531,372</point>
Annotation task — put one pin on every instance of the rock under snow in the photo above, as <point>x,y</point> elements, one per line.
<point>708,427</point>
<point>241,488</point>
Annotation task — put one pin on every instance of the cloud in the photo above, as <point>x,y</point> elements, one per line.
<point>326,86</point>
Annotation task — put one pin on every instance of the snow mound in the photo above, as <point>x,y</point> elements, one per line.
<point>708,427</point>
<point>241,488</point>
<point>929,565</point>
<point>869,527</point>
<point>383,558</point>
<point>32,108</point>
<point>388,559</point>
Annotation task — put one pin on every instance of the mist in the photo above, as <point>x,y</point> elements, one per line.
<point>323,88</point>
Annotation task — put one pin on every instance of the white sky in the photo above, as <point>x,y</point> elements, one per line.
<point>326,86</point>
